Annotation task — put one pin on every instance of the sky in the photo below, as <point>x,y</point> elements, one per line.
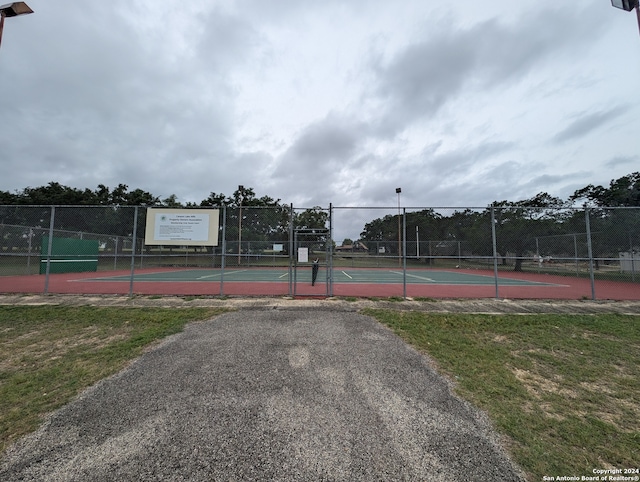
<point>459,103</point>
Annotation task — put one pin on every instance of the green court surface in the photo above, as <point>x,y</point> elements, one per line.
<point>359,276</point>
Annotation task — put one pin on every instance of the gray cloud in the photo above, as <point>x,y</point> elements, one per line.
<point>319,155</point>
<point>420,79</point>
<point>622,161</point>
<point>315,102</point>
<point>586,123</point>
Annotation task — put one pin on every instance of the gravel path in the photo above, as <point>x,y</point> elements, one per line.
<point>268,394</point>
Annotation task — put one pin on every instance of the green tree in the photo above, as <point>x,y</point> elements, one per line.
<point>172,202</point>
<point>313,222</point>
<point>381,233</point>
<point>519,223</point>
<point>624,191</point>
<point>214,200</point>
<point>614,227</point>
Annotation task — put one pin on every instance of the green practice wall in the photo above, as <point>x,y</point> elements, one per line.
<point>69,255</point>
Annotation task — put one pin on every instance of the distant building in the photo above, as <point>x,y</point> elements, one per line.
<point>629,262</point>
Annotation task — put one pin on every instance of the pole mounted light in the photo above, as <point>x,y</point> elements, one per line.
<point>627,6</point>
<point>12,10</point>
<point>398,191</point>
<point>241,198</point>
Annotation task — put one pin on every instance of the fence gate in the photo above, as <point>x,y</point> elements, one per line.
<point>312,262</point>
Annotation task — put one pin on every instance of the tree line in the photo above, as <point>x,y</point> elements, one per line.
<point>519,224</point>
<point>245,221</point>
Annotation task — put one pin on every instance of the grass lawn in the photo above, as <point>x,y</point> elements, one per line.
<point>563,389</point>
<point>49,354</point>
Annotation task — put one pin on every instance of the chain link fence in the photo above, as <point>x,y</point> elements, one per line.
<point>278,245</point>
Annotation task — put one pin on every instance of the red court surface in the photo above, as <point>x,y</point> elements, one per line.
<point>541,286</point>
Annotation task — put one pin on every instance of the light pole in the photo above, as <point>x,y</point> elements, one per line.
<point>241,191</point>
<point>12,10</point>
<point>398,191</point>
<point>628,5</point>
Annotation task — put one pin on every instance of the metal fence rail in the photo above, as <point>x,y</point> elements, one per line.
<point>595,244</point>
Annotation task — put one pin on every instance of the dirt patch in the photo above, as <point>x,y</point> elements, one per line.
<point>537,385</point>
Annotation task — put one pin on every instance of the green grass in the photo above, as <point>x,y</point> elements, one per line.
<point>564,389</point>
<point>48,354</point>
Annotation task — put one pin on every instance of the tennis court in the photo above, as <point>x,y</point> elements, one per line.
<point>340,276</point>
<point>346,282</point>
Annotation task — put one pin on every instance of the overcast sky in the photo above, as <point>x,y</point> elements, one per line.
<point>459,103</point>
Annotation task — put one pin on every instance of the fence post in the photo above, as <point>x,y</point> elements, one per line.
<point>633,266</point>
<point>115,253</point>
<point>495,250</point>
<point>590,253</point>
<point>575,253</point>
<point>291,253</point>
<point>404,253</point>
<point>223,258</point>
<point>133,249</point>
<point>49,249</point>
<point>31,247</point>
<point>330,241</point>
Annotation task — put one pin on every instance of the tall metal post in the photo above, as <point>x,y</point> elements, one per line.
<point>404,253</point>
<point>133,249</point>
<point>291,253</point>
<point>241,189</point>
<point>575,253</point>
<point>495,250</point>
<point>295,263</point>
<point>223,258</point>
<point>398,191</point>
<point>29,254</point>
<point>330,260</point>
<point>49,249</point>
<point>115,253</point>
<point>590,253</point>
<point>633,266</point>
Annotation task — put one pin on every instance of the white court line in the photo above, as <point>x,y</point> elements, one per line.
<point>414,276</point>
<point>220,274</point>
<point>350,277</point>
<point>283,276</point>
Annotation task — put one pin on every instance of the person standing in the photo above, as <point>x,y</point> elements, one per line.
<point>314,271</point>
